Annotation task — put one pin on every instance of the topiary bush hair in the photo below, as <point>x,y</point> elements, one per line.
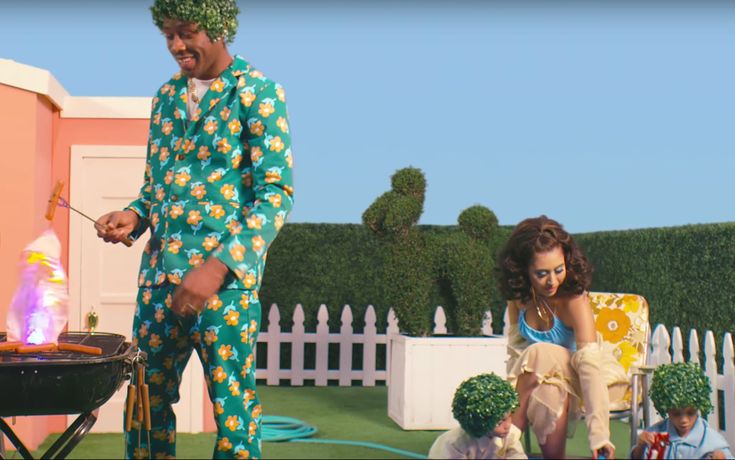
<point>680,385</point>
<point>218,18</point>
<point>481,402</point>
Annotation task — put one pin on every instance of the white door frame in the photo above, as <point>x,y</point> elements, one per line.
<point>190,407</point>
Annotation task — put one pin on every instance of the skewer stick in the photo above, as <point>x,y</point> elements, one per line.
<point>56,200</point>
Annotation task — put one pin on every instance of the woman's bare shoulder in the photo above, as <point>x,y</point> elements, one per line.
<point>514,306</point>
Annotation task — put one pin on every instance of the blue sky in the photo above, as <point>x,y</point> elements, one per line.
<point>602,115</point>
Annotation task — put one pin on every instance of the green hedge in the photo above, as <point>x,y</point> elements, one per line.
<point>342,264</point>
<point>687,273</point>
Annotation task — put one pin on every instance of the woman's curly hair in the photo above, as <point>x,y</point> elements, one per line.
<point>218,18</point>
<point>680,385</point>
<point>538,235</point>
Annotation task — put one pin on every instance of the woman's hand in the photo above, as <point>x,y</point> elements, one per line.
<point>608,451</point>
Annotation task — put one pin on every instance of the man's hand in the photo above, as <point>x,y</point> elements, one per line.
<point>198,286</point>
<point>115,226</point>
<point>718,454</point>
<point>646,438</point>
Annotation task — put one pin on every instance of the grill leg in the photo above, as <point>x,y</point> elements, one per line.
<point>22,450</point>
<point>71,437</point>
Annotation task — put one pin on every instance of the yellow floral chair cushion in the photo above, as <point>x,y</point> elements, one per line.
<point>622,327</point>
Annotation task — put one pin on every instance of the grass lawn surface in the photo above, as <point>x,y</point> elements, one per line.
<point>342,413</point>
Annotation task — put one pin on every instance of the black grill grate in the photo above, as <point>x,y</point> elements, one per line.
<point>111,345</point>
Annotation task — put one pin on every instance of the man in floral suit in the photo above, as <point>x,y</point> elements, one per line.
<point>216,190</point>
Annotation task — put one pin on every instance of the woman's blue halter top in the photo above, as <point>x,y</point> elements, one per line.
<point>559,333</point>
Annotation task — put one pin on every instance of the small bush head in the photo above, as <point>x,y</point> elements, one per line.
<point>478,222</point>
<point>410,182</point>
<point>481,402</point>
<point>680,385</point>
<point>218,18</point>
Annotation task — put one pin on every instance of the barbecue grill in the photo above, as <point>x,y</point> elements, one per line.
<point>64,382</point>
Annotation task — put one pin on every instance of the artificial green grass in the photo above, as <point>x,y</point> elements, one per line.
<point>345,413</point>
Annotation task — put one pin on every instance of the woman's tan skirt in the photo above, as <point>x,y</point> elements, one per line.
<point>558,380</point>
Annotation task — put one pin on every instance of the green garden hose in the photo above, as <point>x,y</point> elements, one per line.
<point>286,429</point>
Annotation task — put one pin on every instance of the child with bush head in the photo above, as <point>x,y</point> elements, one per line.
<point>482,405</point>
<point>681,393</point>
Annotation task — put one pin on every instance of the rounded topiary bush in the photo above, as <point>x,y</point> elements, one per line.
<point>680,385</point>
<point>481,402</point>
<point>406,276</point>
<point>410,182</point>
<point>478,222</point>
<point>467,270</point>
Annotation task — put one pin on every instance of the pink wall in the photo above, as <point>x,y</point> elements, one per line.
<point>37,149</point>
<point>27,121</point>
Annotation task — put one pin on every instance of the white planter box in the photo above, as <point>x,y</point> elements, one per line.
<point>424,372</point>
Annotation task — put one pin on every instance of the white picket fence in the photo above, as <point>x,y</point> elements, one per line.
<point>321,374</point>
<point>663,348</point>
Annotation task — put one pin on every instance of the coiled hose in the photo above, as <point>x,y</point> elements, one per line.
<point>287,429</point>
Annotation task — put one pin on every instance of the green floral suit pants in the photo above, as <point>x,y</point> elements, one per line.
<point>224,336</point>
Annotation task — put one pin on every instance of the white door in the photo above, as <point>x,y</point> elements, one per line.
<point>104,276</point>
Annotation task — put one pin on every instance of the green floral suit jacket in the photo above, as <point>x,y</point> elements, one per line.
<point>219,184</point>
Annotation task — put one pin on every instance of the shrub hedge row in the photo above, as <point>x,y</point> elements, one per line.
<point>687,273</point>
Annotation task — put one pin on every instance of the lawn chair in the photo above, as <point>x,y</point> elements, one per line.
<point>622,322</point>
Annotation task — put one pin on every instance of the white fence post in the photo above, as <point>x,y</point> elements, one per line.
<point>728,388</point>
<point>322,347</point>
<point>660,344</point>
<point>345,348</point>
<point>391,329</point>
<point>440,321</point>
<point>274,346</point>
<point>297,347</point>
<point>487,323</point>
<point>710,368</point>
<point>677,345</point>
<point>693,346</point>
<point>368,348</point>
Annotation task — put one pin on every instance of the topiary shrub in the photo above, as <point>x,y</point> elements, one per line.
<point>466,269</point>
<point>481,402</point>
<point>407,279</point>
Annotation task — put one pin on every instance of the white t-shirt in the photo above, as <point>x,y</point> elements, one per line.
<point>199,88</point>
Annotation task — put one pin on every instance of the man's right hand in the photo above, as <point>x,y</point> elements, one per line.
<point>646,438</point>
<point>115,226</point>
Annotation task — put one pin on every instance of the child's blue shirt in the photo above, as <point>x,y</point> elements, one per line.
<point>701,440</point>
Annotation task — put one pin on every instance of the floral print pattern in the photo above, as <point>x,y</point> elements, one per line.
<point>621,321</point>
<point>209,178</point>
<point>226,356</point>
<point>218,184</point>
